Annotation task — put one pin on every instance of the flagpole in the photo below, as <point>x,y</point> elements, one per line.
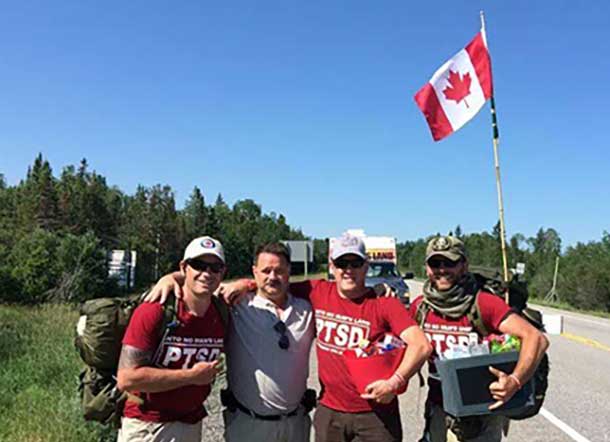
<point>496,142</point>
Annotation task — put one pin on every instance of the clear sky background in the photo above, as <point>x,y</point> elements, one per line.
<point>307,108</point>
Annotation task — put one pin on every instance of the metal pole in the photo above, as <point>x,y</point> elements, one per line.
<point>496,142</point>
<point>157,257</point>
<point>306,257</point>
<point>552,294</point>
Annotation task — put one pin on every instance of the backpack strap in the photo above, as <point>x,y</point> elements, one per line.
<point>420,317</point>
<point>222,309</point>
<point>169,321</point>
<point>170,314</point>
<point>422,313</point>
<point>475,317</point>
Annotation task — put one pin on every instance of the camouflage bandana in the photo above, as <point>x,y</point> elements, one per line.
<point>455,302</point>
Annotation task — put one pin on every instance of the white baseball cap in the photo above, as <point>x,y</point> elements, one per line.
<point>204,245</point>
<point>349,245</point>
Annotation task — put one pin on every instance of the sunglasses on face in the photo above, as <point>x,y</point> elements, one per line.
<point>202,266</point>
<point>284,342</point>
<point>348,263</point>
<point>446,263</point>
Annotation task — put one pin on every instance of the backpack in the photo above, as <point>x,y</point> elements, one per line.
<point>99,336</point>
<point>492,282</point>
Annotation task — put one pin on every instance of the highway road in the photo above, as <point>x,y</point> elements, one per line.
<point>577,406</point>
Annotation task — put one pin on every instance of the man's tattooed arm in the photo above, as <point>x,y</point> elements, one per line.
<point>136,373</point>
<point>132,357</point>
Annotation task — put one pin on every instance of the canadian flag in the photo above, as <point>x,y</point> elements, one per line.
<point>457,90</point>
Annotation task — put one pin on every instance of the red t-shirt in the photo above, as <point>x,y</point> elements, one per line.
<point>443,332</point>
<point>196,339</point>
<point>341,324</point>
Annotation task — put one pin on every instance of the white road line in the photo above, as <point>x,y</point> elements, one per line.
<point>576,436</point>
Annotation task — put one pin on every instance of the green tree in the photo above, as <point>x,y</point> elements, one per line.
<point>88,204</point>
<point>37,202</point>
<point>458,232</point>
<point>195,215</point>
<point>136,233</point>
<point>82,268</point>
<point>411,256</point>
<point>544,248</point>
<point>165,231</point>
<point>584,281</point>
<point>34,265</point>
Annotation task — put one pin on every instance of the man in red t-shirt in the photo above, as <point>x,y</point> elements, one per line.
<point>347,312</point>
<point>448,297</point>
<point>169,376</point>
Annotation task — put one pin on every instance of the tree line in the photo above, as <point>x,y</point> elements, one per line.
<point>55,233</point>
<point>583,279</point>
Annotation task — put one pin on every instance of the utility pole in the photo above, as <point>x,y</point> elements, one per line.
<point>552,295</point>
<point>157,256</point>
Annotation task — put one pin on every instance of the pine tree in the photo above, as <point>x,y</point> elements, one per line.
<point>195,215</point>
<point>37,202</point>
<point>458,231</point>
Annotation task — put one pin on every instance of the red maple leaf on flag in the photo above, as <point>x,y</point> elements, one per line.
<point>459,87</point>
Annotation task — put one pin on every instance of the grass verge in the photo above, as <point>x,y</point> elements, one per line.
<point>568,307</point>
<point>39,376</point>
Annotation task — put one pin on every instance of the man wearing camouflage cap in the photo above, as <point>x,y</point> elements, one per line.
<point>443,313</point>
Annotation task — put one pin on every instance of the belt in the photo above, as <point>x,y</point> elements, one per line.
<point>273,417</point>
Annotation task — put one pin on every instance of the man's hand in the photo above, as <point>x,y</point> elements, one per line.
<point>233,292</point>
<point>502,389</point>
<point>204,373</point>
<point>163,288</point>
<point>382,391</point>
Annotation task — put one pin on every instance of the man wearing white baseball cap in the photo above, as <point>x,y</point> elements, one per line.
<point>346,312</point>
<point>170,369</point>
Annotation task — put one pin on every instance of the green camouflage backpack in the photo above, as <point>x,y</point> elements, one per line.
<point>99,335</point>
<point>490,281</point>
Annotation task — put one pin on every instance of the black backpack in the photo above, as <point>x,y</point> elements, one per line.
<point>99,337</point>
<point>491,281</point>
<point>517,299</point>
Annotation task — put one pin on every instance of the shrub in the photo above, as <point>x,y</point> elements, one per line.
<point>81,262</point>
<point>34,265</point>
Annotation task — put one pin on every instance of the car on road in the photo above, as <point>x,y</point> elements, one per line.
<point>387,273</point>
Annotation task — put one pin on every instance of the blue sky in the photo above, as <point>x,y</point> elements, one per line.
<point>307,108</point>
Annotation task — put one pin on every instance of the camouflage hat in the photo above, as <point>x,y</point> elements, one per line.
<point>448,246</point>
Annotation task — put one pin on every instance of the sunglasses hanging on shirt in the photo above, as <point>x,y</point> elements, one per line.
<point>284,342</point>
